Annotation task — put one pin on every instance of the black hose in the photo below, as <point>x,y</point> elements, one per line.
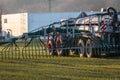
<point>113,13</point>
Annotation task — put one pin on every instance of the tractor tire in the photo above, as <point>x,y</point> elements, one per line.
<point>89,48</point>
<point>80,44</point>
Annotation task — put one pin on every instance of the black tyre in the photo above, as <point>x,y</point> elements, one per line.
<point>50,47</point>
<point>89,48</point>
<point>80,49</point>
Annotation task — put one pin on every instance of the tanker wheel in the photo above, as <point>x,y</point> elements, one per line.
<point>81,47</point>
<point>59,49</point>
<point>89,48</point>
<point>58,42</point>
<point>98,52</point>
<point>50,47</point>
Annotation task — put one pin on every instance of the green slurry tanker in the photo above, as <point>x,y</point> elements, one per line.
<point>89,35</point>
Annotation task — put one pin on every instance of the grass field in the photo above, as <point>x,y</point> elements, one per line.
<point>61,68</point>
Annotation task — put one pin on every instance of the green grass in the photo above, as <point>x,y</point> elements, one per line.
<point>61,68</point>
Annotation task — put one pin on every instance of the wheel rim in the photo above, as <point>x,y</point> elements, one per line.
<point>59,45</point>
<point>89,48</point>
<point>50,47</point>
<point>81,49</point>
